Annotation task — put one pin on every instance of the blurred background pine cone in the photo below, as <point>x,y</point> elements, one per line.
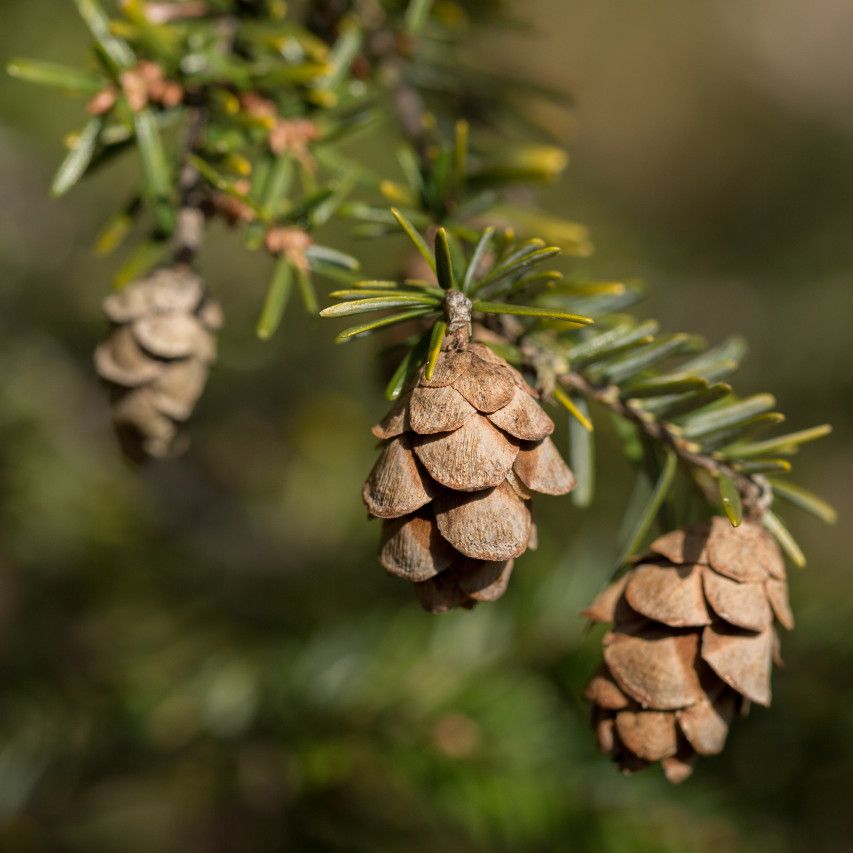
<point>462,454</point>
<point>693,643</point>
<point>157,357</point>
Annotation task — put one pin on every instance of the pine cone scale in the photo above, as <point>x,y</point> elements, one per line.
<point>412,548</point>
<point>668,594</point>
<point>740,553</point>
<point>485,580</point>
<point>650,735</point>
<point>655,668</point>
<point>177,390</point>
<point>541,468</point>
<point>706,724</point>
<point>474,457</point>
<point>603,691</point>
<point>742,659</point>
<point>447,370</point>
<point>490,525</point>
<point>486,386</point>
<point>683,546</point>
<point>394,423</point>
<point>436,410</point>
<point>396,485</point>
<point>744,605</point>
<point>120,360</point>
<point>606,604</point>
<point>523,418</point>
<point>171,336</point>
<point>777,595</point>
<point>678,768</point>
<point>165,291</point>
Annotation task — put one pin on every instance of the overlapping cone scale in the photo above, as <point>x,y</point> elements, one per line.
<point>461,455</point>
<point>157,357</point>
<point>693,642</point>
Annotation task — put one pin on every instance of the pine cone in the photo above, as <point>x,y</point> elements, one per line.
<point>462,454</point>
<point>157,357</point>
<point>693,643</point>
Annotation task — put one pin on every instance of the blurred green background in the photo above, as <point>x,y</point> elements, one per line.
<point>204,656</point>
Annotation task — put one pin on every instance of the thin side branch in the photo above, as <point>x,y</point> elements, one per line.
<point>752,488</point>
<point>191,220</point>
<point>189,231</point>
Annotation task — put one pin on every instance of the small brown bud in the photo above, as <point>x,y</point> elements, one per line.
<point>258,106</point>
<point>292,242</point>
<point>135,89</point>
<point>169,94</point>
<point>294,136</point>
<point>232,209</point>
<point>102,102</point>
<point>146,83</point>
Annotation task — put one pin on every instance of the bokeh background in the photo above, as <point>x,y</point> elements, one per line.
<point>204,656</point>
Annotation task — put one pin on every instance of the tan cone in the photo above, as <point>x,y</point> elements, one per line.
<point>157,357</point>
<point>693,642</point>
<point>462,454</point>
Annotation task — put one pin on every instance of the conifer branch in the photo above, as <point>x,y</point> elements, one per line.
<point>262,100</point>
<point>753,488</point>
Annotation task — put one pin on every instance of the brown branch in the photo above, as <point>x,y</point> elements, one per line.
<point>753,489</point>
<point>192,218</point>
<point>409,108</point>
<point>189,231</point>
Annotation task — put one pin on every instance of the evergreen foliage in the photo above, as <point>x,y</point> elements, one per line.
<point>245,111</point>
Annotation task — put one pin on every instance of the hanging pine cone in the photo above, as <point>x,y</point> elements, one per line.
<point>693,642</point>
<point>462,454</point>
<point>157,357</point>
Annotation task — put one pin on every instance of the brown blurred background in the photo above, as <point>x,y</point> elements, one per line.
<point>206,657</point>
